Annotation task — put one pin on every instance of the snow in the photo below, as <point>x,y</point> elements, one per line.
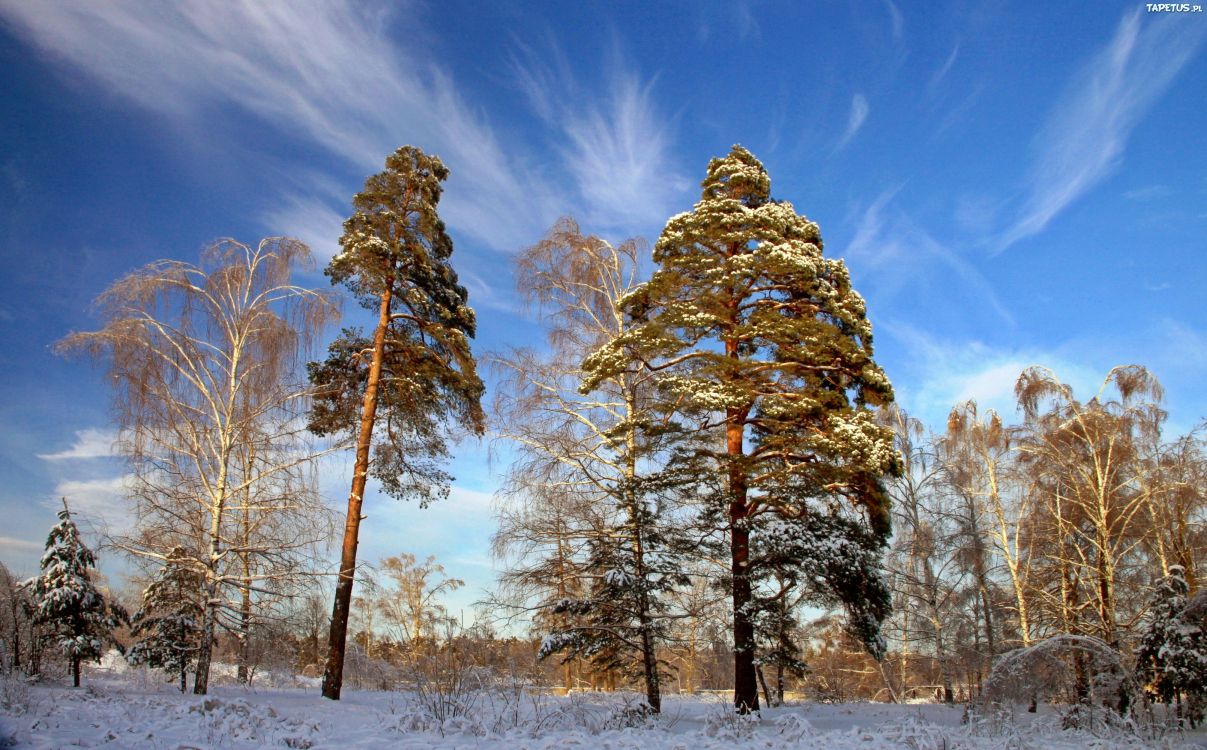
<point>139,709</point>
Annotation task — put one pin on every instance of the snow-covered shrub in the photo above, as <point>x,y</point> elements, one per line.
<point>448,697</point>
<point>223,721</point>
<point>14,694</point>
<point>630,712</point>
<point>1078,668</point>
<point>916,734</point>
<point>728,725</point>
<point>794,727</point>
<point>368,673</point>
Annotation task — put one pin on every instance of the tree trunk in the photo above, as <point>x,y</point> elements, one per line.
<point>201,680</point>
<point>184,680</point>
<point>333,676</point>
<point>745,687</point>
<point>244,674</point>
<point>763,681</point>
<point>75,671</point>
<point>649,657</point>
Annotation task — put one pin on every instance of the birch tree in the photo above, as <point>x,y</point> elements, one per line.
<point>1085,460</point>
<point>978,459</point>
<point>202,359</point>
<point>589,448</point>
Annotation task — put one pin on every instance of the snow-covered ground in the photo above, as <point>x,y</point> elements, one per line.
<point>134,711</point>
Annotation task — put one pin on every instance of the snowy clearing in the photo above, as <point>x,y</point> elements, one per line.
<point>140,713</point>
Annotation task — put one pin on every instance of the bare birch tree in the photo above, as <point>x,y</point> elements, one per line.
<point>978,457</point>
<point>203,360</point>
<point>1084,457</point>
<point>585,449</point>
<point>921,562</point>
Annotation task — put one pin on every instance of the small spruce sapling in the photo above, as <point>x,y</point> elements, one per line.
<point>77,617</point>
<point>1172,658</point>
<point>169,625</point>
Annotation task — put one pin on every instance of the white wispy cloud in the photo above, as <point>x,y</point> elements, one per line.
<point>101,503</point>
<point>746,22</point>
<point>944,69</point>
<point>89,443</point>
<point>897,20</point>
<point>900,254</point>
<point>616,147</point>
<point>855,120</point>
<point>1148,193</point>
<point>323,69</point>
<point>946,373</point>
<point>1084,137</point>
<point>19,545</point>
<point>310,219</point>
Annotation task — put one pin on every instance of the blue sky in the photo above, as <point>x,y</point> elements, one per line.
<point>1011,184</point>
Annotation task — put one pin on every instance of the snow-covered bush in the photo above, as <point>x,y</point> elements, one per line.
<point>730,726</point>
<point>14,694</point>
<point>447,697</point>
<point>1075,668</point>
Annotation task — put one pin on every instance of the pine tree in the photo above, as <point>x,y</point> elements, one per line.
<point>77,617</point>
<point>170,624</point>
<point>415,374</point>
<point>764,338</point>
<point>1172,657</point>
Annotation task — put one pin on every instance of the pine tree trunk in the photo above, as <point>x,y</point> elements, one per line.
<point>75,671</point>
<point>184,679</point>
<point>745,686</point>
<point>333,676</point>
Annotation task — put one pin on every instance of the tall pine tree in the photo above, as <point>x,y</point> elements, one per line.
<point>170,624</point>
<point>762,338</point>
<point>67,603</point>
<point>415,374</point>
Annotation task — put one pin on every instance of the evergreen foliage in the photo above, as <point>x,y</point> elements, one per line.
<point>170,624</point>
<point>624,601</point>
<point>395,260</point>
<point>75,614</point>
<point>756,333</point>
<point>396,392</point>
<point>1172,657</point>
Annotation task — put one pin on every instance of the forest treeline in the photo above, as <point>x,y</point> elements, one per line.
<point>708,483</point>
